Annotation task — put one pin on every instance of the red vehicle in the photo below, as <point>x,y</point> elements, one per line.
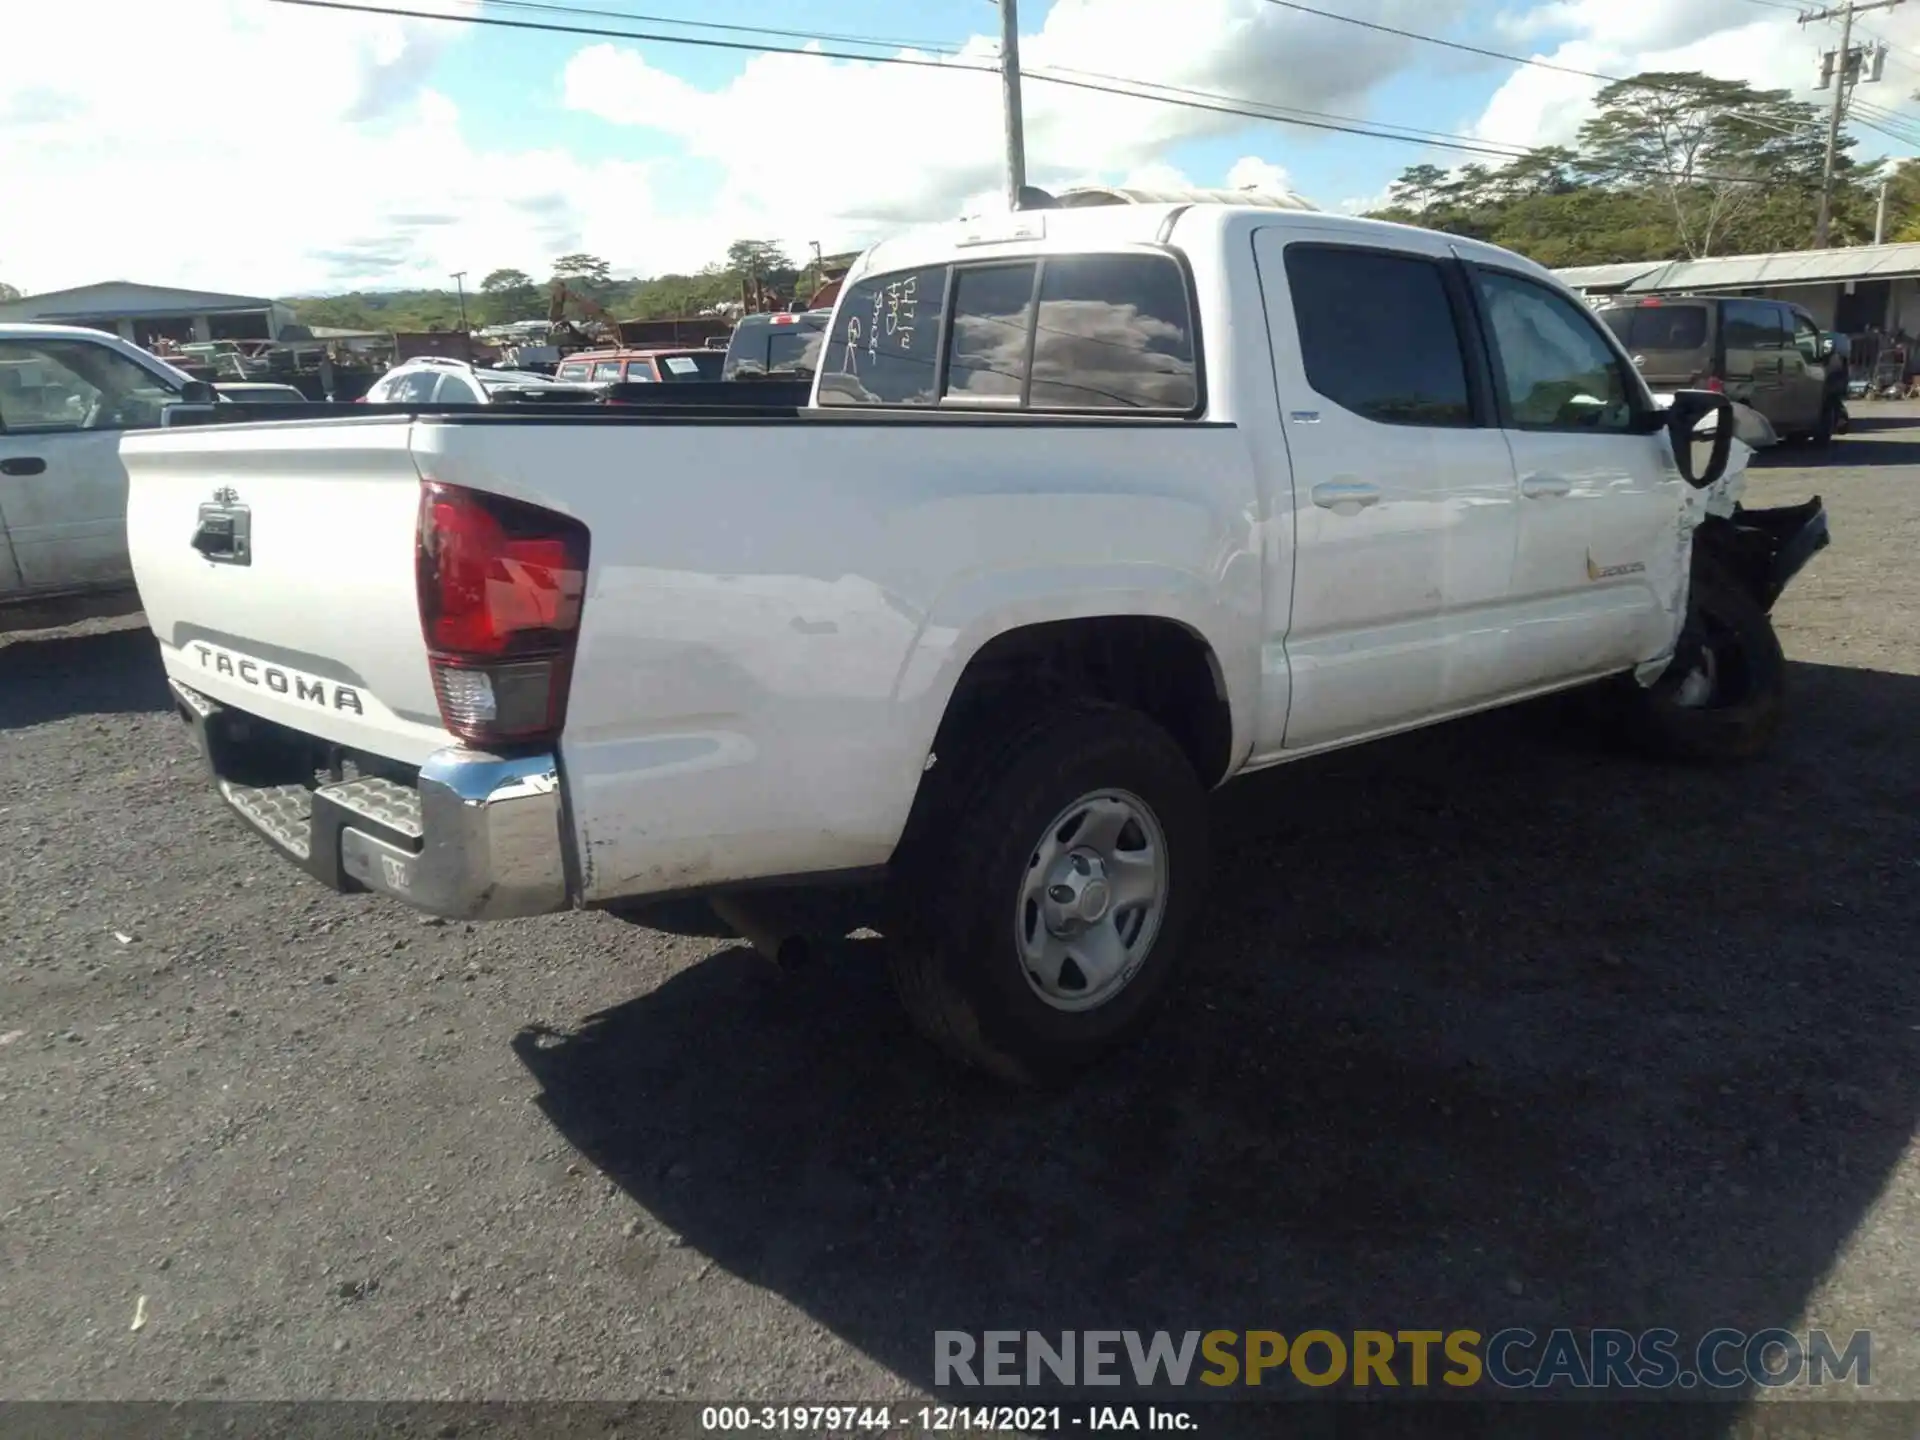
<point>661,367</point>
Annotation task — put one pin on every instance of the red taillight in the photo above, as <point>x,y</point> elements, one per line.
<point>1715,384</point>
<point>500,585</point>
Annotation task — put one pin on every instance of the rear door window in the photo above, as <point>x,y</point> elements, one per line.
<point>607,370</point>
<point>1659,327</point>
<point>794,350</point>
<point>1378,335</point>
<point>703,366</point>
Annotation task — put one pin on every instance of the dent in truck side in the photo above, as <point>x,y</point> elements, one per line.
<point>760,700</point>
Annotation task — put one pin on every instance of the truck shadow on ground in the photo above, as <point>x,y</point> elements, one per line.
<point>1486,1026</point>
<point>116,672</point>
<point>1869,441</point>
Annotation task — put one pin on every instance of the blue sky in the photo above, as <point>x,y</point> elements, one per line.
<point>414,148</point>
<point>1446,90</point>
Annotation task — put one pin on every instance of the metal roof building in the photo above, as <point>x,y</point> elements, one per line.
<point>1608,279</point>
<point>144,313</point>
<point>1853,289</point>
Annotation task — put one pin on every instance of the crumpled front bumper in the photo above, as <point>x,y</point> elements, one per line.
<point>472,837</point>
<point>1774,545</point>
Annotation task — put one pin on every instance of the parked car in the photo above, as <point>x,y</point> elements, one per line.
<point>1089,513</point>
<point>641,367</point>
<point>67,395</point>
<point>1767,354</point>
<point>439,380</point>
<point>781,346</point>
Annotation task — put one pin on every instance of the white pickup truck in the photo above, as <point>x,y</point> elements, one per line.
<point>1092,510</point>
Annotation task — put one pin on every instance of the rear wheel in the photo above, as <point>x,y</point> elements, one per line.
<point>1724,695</point>
<point>1045,902</point>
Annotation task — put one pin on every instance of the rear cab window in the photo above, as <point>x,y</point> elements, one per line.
<point>775,345</point>
<point>1073,333</point>
<point>1379,334</point>
<point>1658,327</point>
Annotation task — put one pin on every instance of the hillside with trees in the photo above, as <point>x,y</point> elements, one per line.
<point>508,294</point>
<point>1671,166</point>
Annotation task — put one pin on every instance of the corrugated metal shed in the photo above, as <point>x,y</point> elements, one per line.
<point>1607,278</point>
<point>1788,267</point>
<point>126,298</point>
<point>1115,195</point>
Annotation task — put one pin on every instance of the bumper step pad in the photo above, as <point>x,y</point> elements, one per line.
<point>283,813</point>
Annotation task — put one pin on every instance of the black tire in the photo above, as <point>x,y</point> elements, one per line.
<point>1729,639</point>
<point>954,956</point>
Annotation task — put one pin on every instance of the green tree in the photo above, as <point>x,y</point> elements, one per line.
<point>581,266</point>
<point>762,263</point>
<point>510,295</point>
<point>8,292</point>
<point>1711,149</point>
<point>760,258</point>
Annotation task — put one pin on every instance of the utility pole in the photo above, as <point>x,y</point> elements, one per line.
<point>1849,66</point>
<point>1010,84</point>
<point>1880,217</point>
<point>466,336</point>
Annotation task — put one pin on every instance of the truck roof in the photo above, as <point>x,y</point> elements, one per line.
<point>1074,228</point>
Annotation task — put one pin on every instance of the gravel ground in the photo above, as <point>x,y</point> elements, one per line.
<point>1492,1026</point>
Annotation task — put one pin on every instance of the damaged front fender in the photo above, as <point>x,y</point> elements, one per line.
<point>1762,549</point>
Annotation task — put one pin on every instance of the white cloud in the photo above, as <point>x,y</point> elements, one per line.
<point>246,146</point>
<point>865,148</point>
<point>1730,39</point>
<point>252,147</point>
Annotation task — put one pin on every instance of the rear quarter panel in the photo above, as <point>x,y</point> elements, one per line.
<point>777,614</point>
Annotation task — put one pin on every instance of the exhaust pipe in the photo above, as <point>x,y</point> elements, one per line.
<point>762,931</point>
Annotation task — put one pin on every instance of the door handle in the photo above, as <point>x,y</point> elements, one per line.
<point>1545,487</point>
<point>22,465</point>
<point>1347,497</point>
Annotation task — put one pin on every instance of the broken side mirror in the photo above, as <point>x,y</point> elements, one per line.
<point>1697,420</point>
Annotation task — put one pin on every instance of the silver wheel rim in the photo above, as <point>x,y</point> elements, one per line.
<point>1092,900</point>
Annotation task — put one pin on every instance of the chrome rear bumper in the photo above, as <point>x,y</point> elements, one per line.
<point>473,837</point>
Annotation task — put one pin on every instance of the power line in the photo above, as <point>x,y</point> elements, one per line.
<point>934,47</point>
<point>1192,100</point>
<point>1227,106</point>
<point>1532,62</point>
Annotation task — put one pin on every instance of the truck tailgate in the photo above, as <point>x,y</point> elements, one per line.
<point>276,567</point>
